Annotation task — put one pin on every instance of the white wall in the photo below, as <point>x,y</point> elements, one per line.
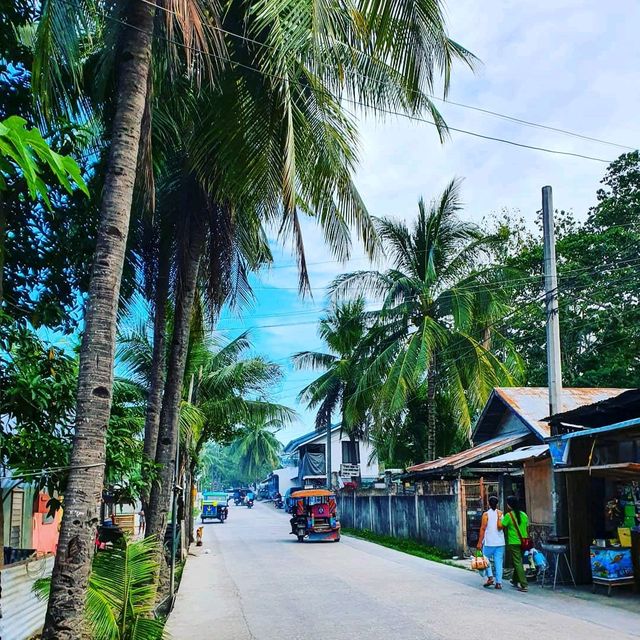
<point>284,478</point>
<point>366,470</point>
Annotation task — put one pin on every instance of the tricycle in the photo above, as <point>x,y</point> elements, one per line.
<point>215,505</point>
<point>315,515</point>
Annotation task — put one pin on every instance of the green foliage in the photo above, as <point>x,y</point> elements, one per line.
<point>257,448</point>
<point>431,355</point>
<point>38,385</point>
<point>122,593</point>
<point>343,331</point>
<point>599,272</point>
<point>403,544</point>
<point>23,151</point>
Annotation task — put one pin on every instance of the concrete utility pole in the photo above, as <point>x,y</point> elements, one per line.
<point>554,365</point>
<point>328,456</point>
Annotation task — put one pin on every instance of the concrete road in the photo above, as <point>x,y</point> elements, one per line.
<point>253,581</point>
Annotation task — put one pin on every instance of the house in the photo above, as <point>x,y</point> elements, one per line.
<point>351,460</point>
<point>509,457</point>
<point>28,528</point>
<point>595,450</point>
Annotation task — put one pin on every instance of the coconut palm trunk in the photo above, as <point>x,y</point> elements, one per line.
<point>158,365</point>
<point>169,429</point>
<point>65,613</point>
<point>431,410</point>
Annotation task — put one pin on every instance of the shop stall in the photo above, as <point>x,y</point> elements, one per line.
<point>601,465</point>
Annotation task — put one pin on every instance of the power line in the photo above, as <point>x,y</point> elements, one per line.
<point>362,105</point>
<point>430,96</point>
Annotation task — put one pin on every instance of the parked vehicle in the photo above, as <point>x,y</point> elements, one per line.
<point>288,500</point>
<point>215,505</point>
<point>315,515</point>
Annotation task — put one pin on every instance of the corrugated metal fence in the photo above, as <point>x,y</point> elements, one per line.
<point>431,519</point>
<point>21,611</point>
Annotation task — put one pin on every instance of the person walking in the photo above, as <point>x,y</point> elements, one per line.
<point>491,543</point>
<point>516,526</point>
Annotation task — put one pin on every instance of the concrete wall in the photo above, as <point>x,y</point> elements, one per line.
<point>432,519</point>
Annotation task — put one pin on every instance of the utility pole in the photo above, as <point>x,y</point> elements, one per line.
<point>328,456</point>
<point>174,509</point>
<point>554,365</point>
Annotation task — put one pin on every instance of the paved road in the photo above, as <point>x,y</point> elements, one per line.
<point>258,583</point>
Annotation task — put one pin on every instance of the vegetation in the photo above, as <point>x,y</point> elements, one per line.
<point>202,134</point>
<point>430,349</point>
<point>405,545</point>
<point>121,593</point>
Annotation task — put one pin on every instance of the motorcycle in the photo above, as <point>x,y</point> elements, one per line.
<point>278,503</point>
<point>249,502</point>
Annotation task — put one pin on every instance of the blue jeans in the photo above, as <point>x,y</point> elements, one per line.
<point>496,557</point>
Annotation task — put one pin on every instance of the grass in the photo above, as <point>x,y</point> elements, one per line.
<point>404,545</point>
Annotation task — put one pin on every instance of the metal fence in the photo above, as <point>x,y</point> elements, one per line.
<point>431,519</point>
<point>21,611</point>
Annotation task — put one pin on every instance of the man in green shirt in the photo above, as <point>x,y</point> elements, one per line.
<point>516,527</point>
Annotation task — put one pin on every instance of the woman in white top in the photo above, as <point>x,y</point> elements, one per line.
<point>491,543</point>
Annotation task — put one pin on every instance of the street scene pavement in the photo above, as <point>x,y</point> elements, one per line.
<point>251,580</point>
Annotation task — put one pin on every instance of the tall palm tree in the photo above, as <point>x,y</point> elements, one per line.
<point>257,447</point>
<point>62,28</point>
<point>439,302</point>
<point>387,51</point>
<point>344,331</point>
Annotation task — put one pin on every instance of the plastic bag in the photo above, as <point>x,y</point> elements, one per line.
<point>479,562</point>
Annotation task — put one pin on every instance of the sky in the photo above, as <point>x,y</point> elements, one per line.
<point>569,64</point>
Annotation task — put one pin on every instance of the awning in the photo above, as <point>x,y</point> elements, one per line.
<point>467,457</point>
<point>621,470</point>
<point>519,455</point>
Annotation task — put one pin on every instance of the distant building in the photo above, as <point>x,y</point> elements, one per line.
<point>351,460</point>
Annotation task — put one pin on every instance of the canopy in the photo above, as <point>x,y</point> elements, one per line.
<point>308,493</point>
<point>519,455</point>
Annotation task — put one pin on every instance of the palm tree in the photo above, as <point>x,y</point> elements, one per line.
<point>343,330</point>
<point>257,448</point>
<point>438,306</point>
<point>379,53</point>
<point>121,593</point>
<point>62,28</point>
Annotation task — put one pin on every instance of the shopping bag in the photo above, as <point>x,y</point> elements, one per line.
<point>479,562</point>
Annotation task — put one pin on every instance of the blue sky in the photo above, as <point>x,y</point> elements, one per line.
<point>571,64</point>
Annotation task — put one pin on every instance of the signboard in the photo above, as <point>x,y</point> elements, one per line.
<point>349,470</point>
<point>559,450</point>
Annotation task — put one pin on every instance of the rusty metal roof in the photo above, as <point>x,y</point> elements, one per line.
<point>532,403</point>
<point>466,457</point>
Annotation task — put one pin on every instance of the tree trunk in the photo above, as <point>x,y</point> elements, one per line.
<point>169,431</point>
<point>158,366</point>
<point>65,613</point>
<point>3,240</point>
<point>431,410</point>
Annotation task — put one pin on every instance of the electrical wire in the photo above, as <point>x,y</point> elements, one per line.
<point>362,105</point>
<point>430,96</point>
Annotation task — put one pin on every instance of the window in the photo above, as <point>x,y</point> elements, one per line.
<point>17,511</point>
<point>350,452</point>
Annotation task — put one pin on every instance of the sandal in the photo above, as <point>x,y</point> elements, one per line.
<point>499,585</point>
<point>523,589</point>
<point>488,583</point>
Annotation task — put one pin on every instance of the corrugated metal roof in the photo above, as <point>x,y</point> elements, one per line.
<point>307,437</point>
<point>523,453</point>
<point>532,403</point>
<point>466,457</point>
